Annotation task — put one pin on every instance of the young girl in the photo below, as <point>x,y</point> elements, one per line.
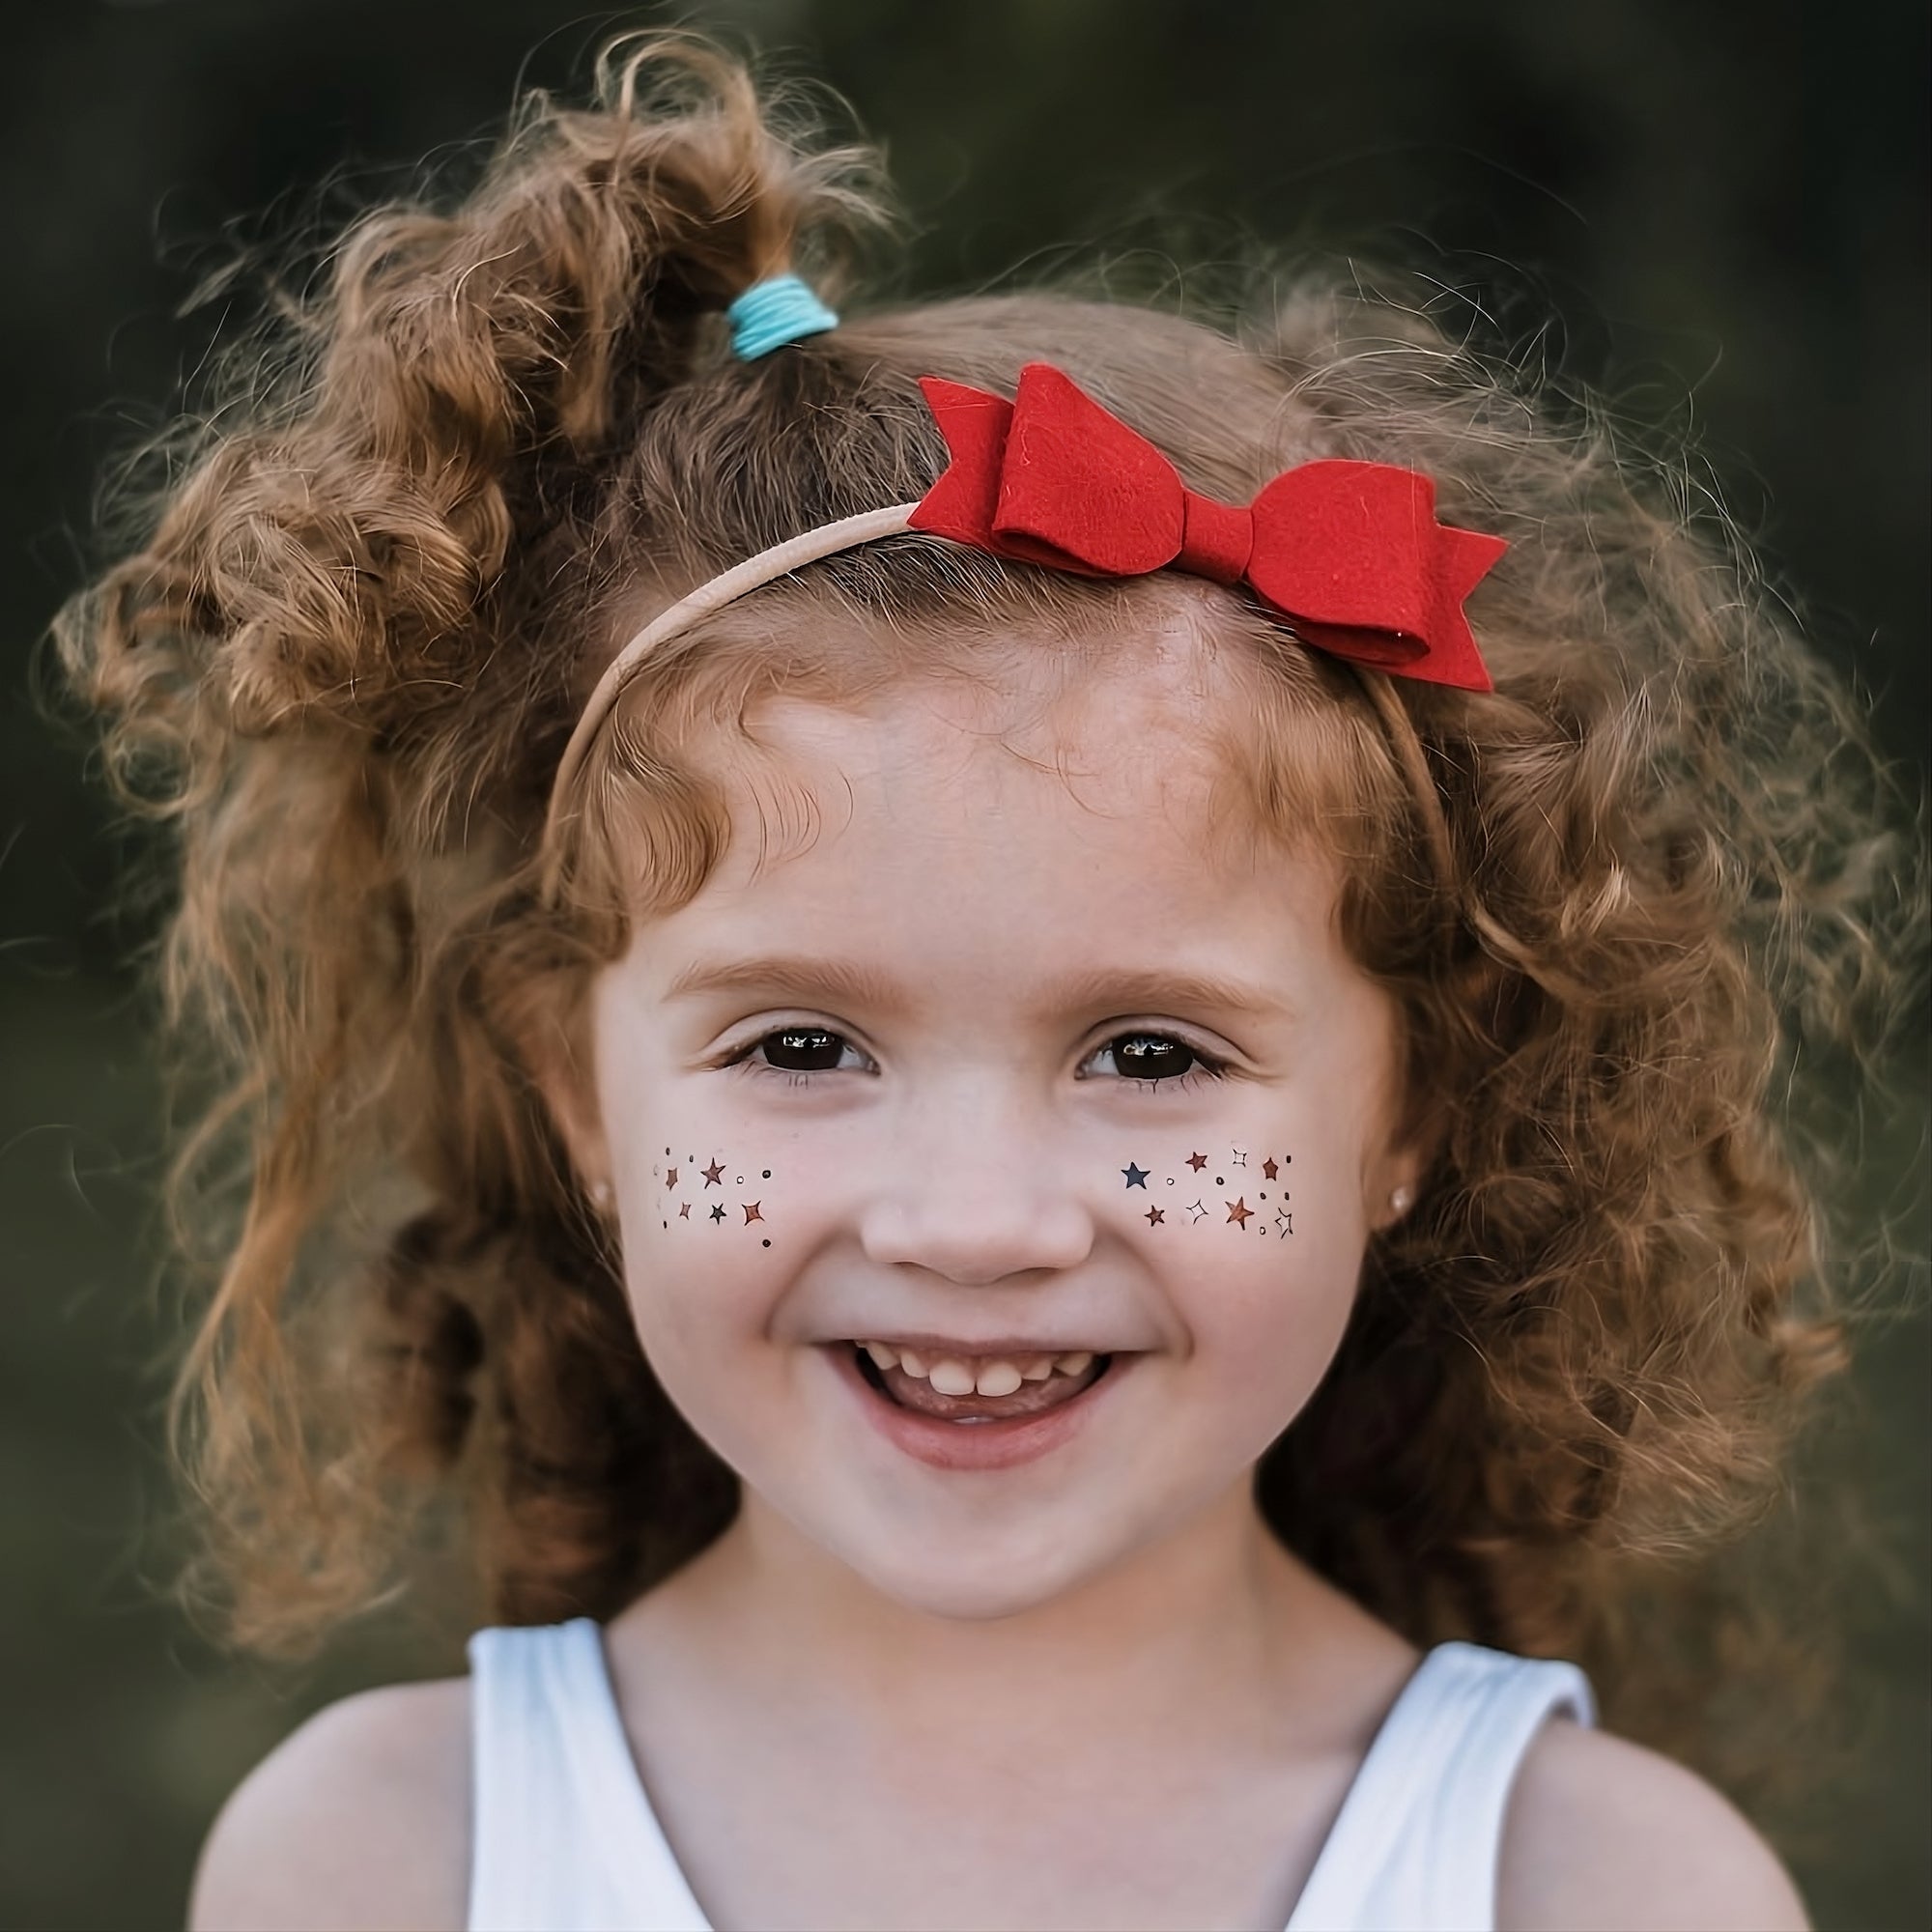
<point>1032,1040</point>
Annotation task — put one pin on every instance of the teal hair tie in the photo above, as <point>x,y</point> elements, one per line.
<point>773,312</point>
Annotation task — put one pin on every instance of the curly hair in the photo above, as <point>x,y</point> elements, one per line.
<point>448,481</point>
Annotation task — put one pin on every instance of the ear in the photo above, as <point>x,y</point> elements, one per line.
<point>1394,1179</point>
<point>556,1050</point>
<point>1394,1182</point>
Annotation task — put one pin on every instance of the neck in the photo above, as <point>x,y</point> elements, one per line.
<point>1195,1624</point>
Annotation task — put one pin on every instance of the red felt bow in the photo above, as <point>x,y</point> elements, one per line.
<point>1349,553</point>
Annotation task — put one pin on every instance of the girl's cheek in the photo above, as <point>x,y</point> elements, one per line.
<point>712,1233</point>
<point>1260,1255</point>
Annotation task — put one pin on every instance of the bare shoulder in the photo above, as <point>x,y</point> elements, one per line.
<point>359,1819</point>
<point>1603,1834</point>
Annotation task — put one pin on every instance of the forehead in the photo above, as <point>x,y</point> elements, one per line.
<point>959,828</point>
<point>1116,738</point>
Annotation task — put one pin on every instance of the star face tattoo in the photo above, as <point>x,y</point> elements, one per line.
<point>714,1172</point>
<point>1238,1213</point>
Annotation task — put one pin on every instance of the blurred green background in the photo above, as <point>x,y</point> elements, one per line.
<point>1726,205</point>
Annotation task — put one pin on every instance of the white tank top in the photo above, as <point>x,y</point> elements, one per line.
<point>565,1840</point>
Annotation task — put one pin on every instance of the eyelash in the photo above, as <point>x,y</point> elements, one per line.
<point>1206,1064</point>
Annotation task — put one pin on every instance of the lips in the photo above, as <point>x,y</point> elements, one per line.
<point>976,1437</point>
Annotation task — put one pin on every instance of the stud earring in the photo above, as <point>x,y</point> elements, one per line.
<point>599,1193</point>
<point>1399,1199</point>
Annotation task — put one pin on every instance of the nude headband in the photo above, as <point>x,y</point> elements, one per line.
<point>1349,553</point>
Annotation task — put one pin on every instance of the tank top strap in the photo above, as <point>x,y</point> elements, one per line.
<point>1417,1839</point>
<point>562,1834</point>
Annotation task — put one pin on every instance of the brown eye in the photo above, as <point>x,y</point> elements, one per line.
<point>802,1049</point>
<point>1152,1057</point>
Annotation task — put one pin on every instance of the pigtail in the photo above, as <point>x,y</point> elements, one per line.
<point>360,601</point>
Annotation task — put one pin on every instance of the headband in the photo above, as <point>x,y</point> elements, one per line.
<point>1349,554</point>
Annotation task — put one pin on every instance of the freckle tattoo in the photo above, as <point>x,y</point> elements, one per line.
<point>1239,1214</point>
<point>752,1210</point>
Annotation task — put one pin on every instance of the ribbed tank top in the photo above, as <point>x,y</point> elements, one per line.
<point>565,1840</point>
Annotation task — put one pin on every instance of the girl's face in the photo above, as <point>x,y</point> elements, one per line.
<point>952,1078</point>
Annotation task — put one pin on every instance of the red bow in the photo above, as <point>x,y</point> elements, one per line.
<point>1349,553</point>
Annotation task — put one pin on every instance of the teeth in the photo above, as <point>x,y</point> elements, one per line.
<point>995,1376</point>
<point>951,1378</point>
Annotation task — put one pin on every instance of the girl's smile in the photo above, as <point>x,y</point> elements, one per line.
<point>1078,1115</point>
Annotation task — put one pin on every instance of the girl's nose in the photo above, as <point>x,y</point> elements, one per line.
<point>975,1193</point>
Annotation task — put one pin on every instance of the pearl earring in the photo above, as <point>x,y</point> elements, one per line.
<point>599,1193</point>
<point>1399,1199</point>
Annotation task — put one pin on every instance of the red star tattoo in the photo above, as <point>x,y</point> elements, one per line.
<point>711,1174</point>
<point>684,1211</point>
<point>1239,1211</point>
<point>1268,1168</point>
<point>752,1213</point>
<point>1154,1215</point>
<point>1197,1161</point>
<point>671,1179</point>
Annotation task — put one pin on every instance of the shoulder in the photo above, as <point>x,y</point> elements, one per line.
<point>360,1818</point>
<point>1602,1832</point>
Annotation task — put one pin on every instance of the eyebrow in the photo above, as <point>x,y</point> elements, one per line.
<point>1143,988</point>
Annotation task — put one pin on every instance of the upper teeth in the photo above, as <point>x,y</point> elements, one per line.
<point>979,1375</point>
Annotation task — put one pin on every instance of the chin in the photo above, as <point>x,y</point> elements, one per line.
<point>973,1580</point>
<point>961,1595</point>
